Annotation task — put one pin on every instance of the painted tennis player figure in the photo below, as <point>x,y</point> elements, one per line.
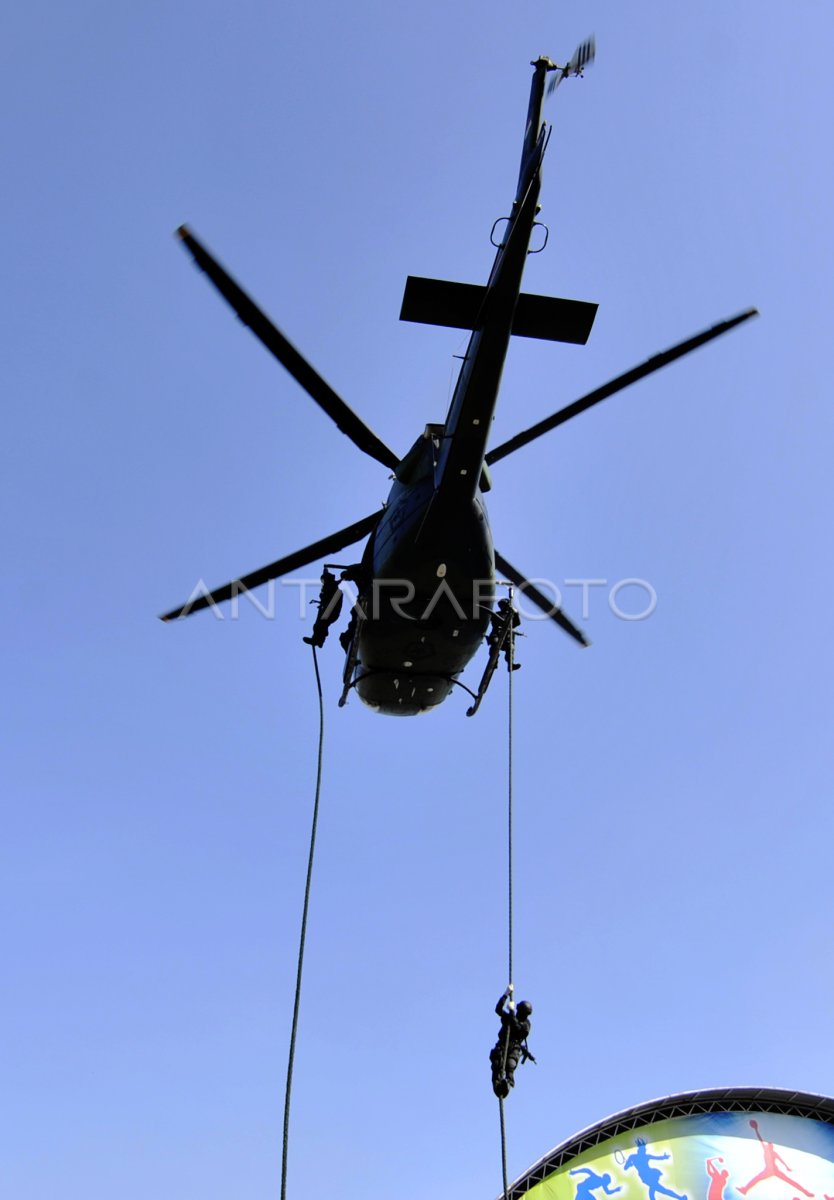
<point>648,1175</point>
<point>771,1169</point>
<point>592,1182</point>
<point>717,1179</point>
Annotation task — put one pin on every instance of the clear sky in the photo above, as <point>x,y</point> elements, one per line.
<point>673,782</point>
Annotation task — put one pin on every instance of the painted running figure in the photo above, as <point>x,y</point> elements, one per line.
<point>717,1179</point>
<point>771,1169</point>
<point>641,1161</point>
<point>591,1183</point>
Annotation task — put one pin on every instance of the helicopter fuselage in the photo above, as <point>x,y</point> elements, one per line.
<point>428,591</point>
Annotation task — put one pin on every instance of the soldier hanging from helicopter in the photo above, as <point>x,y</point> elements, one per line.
<point>329,607</point>
<point>501,637</point>
<point>511,1047</point>
<point>505,616</point>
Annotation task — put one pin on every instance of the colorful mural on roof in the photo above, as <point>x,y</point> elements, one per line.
<point>709,1156</point>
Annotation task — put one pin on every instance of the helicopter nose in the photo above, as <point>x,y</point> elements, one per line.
<point>402,694</point>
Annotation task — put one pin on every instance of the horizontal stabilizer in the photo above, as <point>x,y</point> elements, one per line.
<point>554,320</point>
<point>460,306</point>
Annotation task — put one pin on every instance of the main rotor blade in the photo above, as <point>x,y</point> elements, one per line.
<point>616,385</point>
<point>336,541</point>
<point>271,337</point>
<point>549,607</point>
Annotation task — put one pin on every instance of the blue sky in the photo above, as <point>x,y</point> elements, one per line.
<point>672,782</point>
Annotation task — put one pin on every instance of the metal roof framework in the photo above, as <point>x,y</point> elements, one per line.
<point>682,1104</point>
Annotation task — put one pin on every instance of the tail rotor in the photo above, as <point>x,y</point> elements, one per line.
<point>582,57</point>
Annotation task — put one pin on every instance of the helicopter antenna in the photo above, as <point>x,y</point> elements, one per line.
<point>582,57</point>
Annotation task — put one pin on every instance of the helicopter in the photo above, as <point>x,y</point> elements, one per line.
<point>426,581</point>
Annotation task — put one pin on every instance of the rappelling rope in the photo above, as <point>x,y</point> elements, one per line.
<point>303,937</point>
<point>503,1150</point>
<point>510,665</point>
